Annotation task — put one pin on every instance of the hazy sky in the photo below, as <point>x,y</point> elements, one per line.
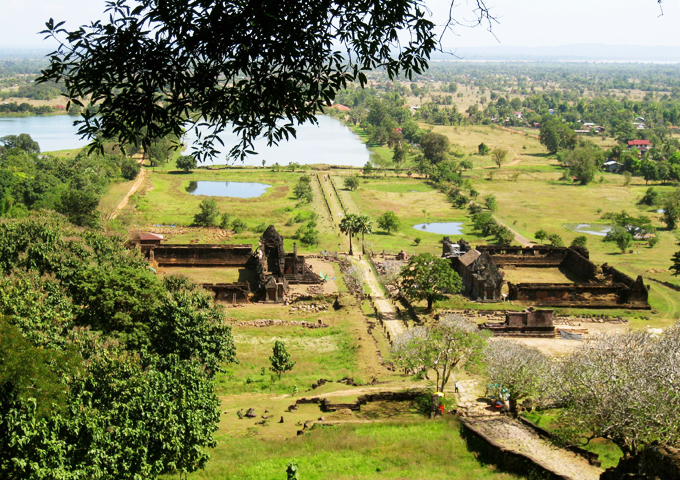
<point>522,22</point>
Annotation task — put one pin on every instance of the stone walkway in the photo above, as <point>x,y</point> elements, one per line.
<point>515,436</point>
<point>392,325</point>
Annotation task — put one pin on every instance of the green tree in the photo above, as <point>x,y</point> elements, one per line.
<point>435,147</point>
<point>129,168</point>
<point>238,225</point>
<point>351,183</point>
<point>208,213</point>
<point>580,241</point>
<point>186,163</point>
<point>22,141</point>
<point>368,169</point>
<point>169,59</point>
<point>541,235</point>
<point>364,227</point>
<point>621,237</point>
<point>280,359</point>
<point>555,240</point>
<point>225,221</point>
<point>427,277</point>
<point>583,162</point>
<point>498,155</point>
<point>349,225</point>
<point>555,135</point>
<point>483,149</point>
<point>491,203</point>
<point>671,209</point>
<point>649,170</point>
<point>504,236</point>
<point>80,207</point>
<point>389,222</point>
<point>303,189</point>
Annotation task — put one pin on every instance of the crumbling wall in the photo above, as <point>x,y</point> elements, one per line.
<point>580,265</point>
<point>536,256</point>
<point>198,255</point>
<point>595,295</point>
<point>230,292</point>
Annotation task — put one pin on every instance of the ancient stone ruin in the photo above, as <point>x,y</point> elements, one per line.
<point>484,270</point>
<point>275,270</point>
<point>529,323</point>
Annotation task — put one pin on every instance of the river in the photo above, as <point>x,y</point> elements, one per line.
<point>330,142</point>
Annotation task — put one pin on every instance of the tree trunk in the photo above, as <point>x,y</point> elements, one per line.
<point>513,406</point>
<point>363,244</point>
<point>350,245</point>
<point>430,300</point>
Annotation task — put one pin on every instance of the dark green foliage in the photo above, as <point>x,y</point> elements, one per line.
<point>238,225</point>
<point>556,135</point>
<point>580,241</point>
<point>584,162</point>
<point>541,235</point>
<point>491,203</point>
<point>671,209</point>
<point>278,86</point>
<point>208,214</point>
<point>186,163</point>
<point>389,222</point>
<point>503,236</point>
<point>555,240</point>
<point>280,359</point>
<point>651,197</point>
<point>435,147</point>
<point>80,207</point>
<point>483,149</point>
<point>129,168</point>
<point>308,234</point>
<point>619,235</point>
<point>484,222</point>
<point>641,225</point>
<point>225,221</point>
<point>89,402</point>
<point>303,189</point>
<point>427,277</point>
<point>351,183</point>
<point>22,141</point>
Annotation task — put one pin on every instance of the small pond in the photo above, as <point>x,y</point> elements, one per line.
<point>227,189</point>
<point>445,228</point>
<point>593,229</point>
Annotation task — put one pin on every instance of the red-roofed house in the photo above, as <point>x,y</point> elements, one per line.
<point>641,145</point>
<point>341,108</point>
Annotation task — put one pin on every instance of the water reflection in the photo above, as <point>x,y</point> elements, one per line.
<point>227,189</point>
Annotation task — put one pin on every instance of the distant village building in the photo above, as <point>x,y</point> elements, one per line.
<point>642,145</point>
<point>611,166</point>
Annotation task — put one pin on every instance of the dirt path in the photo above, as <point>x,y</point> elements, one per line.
<point>525,242</point>
<point>133,189</point>
<point>392,325</point>
<point>514,436</point>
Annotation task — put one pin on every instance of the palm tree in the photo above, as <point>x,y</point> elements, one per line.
<point>349,225</point>
<point>364,226</point>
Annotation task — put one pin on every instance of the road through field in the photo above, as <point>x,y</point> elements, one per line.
<point>133,189</point>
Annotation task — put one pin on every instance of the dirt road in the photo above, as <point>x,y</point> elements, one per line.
<point>133,189</point>
<point>525,242</point>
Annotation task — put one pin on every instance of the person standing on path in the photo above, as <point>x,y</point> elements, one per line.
<point>455,386</point>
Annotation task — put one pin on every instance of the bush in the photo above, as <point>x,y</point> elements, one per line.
<point>260,228</point>
<point>225,220</point>
<point>555,240</point>
<point>207,217</point>
<point>239,225</point>
<point>652,241</point>
<point>541,235</point>
<point>351,183</point>
<point>186,163</point>
<point>580,241</point>
<point>417,240</point>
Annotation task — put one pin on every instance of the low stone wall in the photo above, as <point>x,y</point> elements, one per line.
<point>279,323</point>
<point>603,295</point>
<point>202,255</point>
<point>506,460</point>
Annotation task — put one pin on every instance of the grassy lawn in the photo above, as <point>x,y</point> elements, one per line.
<point>418,449</point>
<point>167,202</point>
<point>113,196</point>
<point>414,201</point>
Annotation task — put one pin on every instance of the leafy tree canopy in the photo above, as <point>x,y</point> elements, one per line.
<point>427,277</point>
<point>261,67</point>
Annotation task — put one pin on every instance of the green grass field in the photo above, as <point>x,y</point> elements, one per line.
<point>416,449</point>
